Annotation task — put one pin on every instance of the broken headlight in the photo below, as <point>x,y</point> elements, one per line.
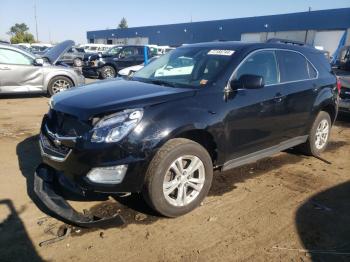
<point>115,127</point>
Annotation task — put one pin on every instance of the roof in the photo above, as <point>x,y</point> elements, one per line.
<point>238,45</point>
<point>231,29</point>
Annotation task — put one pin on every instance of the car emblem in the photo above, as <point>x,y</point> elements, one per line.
<point>57,142</point>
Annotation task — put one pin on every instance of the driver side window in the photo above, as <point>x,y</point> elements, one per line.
<point>262,63</point>
<point>12,57</point>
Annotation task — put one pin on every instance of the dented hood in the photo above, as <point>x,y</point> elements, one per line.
<point>112,95</point>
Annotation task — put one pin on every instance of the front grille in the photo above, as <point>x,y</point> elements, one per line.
<point>48,148</point>
<point>66,125</point>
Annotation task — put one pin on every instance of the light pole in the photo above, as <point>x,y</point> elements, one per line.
<point>36,23</point>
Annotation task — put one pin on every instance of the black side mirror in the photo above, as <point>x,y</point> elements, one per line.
<point>248,82</point>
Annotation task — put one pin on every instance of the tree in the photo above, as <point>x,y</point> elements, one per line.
<point>22,38</point>
<point>19,34</point>
<point>18,28</point>
<point>123,23</point>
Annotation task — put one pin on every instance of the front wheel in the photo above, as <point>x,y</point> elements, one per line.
<point>178,178</point>
<point>107,72</point>
<point>318,136</point>
<point>58,84</point>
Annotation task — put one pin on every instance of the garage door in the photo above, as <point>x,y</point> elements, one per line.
<point>329,40</point>
<point>250,37</point>
<point>291,35</point>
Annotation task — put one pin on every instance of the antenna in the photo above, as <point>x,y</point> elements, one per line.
<point>36,23</point>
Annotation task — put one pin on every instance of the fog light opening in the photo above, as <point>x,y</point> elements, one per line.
<point>107,175</point>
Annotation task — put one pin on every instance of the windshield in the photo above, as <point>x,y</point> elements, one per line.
<point>190,66</point>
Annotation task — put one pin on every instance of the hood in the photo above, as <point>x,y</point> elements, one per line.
<point>55,53</point>
<point>113,95</point>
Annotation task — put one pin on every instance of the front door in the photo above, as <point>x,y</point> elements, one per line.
<point>253,121</point>
<point>127,57</point>
<point>17,72</point>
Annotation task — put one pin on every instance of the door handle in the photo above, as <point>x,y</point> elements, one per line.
<point>5,68</point>
<point>278,98</point>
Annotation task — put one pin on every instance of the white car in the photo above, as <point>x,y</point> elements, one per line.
<point>180,66</point>
<point>129,71</point>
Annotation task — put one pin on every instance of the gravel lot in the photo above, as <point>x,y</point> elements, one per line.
<point>273,210</point>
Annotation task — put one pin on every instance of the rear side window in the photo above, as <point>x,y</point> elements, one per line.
<point>312,70</point>
<point>293,66</point>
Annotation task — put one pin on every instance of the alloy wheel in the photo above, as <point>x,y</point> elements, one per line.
<point>322,133</point>
<point>184,180</point>
<point>108,72</point>
<point>60,85</point>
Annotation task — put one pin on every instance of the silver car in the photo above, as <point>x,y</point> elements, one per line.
<point>22,72</point>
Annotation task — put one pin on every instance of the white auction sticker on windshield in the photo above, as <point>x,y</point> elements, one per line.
<point>221,52</point>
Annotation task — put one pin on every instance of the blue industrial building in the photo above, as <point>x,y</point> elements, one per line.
<point>315,27</point>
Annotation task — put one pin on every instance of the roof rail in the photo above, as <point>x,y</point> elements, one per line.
<point>286,41</point>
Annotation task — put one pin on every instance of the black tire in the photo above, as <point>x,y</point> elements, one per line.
<point>157,170</point>
<point>52,89</point>
<point>310,148</point>
<point>107,72</point>
<point>77,62</point>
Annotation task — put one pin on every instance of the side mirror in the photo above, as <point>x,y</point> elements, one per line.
<point>248,82</point>
<point>38,61</point>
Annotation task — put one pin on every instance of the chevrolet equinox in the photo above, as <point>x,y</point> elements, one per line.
<point>200,107</point>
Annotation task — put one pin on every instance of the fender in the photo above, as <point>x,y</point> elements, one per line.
<point>327,98</point>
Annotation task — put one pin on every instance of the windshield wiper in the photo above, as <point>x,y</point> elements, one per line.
<point>162,82</point>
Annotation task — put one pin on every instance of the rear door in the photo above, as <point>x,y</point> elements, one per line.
<point>299,87</point>
<point>17,72</point>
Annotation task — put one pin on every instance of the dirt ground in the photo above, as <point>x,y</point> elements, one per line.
<point>285,208</point>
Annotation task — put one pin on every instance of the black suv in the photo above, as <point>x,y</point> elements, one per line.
<point>107,65</point>
<point>165,130</point>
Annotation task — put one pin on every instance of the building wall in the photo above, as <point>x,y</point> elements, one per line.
<point>287,25</point>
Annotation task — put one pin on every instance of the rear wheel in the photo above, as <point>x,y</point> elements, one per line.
<point>58,84</point>
<point>319,135</point>
<point>178,178</point>
<point>107,72</point>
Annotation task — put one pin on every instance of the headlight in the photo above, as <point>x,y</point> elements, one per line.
<point>115,127</point>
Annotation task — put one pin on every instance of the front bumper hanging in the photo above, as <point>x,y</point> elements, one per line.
<point>44,181</point>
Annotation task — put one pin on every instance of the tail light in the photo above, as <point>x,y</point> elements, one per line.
<point>338,84</point>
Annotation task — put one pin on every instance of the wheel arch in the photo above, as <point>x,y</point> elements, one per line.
<point>331,110</point>
<point>202,137</point>
<point>61,75</point>
<point>52,75</point>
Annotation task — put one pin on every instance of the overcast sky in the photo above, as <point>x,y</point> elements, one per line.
<point>59,20</point>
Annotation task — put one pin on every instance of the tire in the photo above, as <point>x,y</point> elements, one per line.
<point>58,84</point>
<point>163,185</point>
<point>77,62</point>
<point>107,72</point>
<point>317,141</point>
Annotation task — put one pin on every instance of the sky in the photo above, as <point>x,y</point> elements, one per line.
<point>60,20</point>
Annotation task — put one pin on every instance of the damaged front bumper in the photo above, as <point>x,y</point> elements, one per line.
<point>44,187</point>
